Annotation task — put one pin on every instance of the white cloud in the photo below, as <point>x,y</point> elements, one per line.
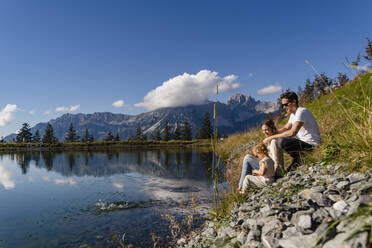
<point>66,181</point>
<point>118,186</point>
<point>32,112</point>
<point>6,114</point>
<point>46,112</point>
<point>271,89</point>
<point>68,109</point>
<point>74,108</point>
<point>187,89</point>
<point>361,68</point>
<point>118,104</point>
<point>250,75</point>
<point>5,179</point>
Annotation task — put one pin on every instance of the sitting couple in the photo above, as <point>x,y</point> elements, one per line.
<point>301,124</point>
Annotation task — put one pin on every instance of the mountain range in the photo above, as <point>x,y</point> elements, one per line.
<point>238,114</point>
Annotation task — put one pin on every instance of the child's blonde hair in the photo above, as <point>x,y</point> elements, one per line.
<point>260,148</point>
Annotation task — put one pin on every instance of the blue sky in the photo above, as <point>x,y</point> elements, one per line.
<point>82,56</point>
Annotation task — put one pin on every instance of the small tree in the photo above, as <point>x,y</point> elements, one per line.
<point>177,132</point>
<point>368,55</point>
<point>158,135</point>
<point>138,133</point>
<point>86,137</point>
<point>36,137</point>
<point>24,134</point>
<point>342,79</point>
<point>308,92</point>
<point>321,83</point>
<point>48,137</point>
<point>71,134</point>
<point>166,135</point>
<point>186,131</point>
<point>109,137</point>
<point>206,128</point>
<point>117,137</point>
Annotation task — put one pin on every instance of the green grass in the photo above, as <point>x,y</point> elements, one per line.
<point>345,121</point>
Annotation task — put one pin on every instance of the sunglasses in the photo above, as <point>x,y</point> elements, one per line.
<point>285,105</point>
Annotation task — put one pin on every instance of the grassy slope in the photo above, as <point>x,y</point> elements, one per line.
<point>345,121</point>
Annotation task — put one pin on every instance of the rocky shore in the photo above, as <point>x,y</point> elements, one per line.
<point>315,206</point>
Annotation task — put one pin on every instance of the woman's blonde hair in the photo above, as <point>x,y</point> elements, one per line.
<point>260,148</point>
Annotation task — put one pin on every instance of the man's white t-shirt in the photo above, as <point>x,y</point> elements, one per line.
<point>309,132</point>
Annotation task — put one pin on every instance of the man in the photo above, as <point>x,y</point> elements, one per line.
<point>301,124</point>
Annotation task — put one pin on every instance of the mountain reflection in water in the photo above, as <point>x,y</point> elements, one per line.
<point>67,199</point>
<point>151,162</point>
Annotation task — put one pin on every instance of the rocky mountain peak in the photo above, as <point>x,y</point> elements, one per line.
<point>240,99</point>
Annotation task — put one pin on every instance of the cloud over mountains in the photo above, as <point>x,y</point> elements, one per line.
<point>271,89</point>
<point>118,104</point>
<point>187,89</point>
<point>68,109</point>
<point>6,114</point>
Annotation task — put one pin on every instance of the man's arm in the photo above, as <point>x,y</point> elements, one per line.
<point>287,127</point>
<point>287,133</point>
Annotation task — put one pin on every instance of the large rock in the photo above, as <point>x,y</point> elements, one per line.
<point>305,224</point>
<point>360,241</point>
<point>299,241</point>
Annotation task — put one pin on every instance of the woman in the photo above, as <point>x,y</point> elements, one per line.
<point>251,163</point>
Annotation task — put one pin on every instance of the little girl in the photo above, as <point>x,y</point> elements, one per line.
<point>265,175</point>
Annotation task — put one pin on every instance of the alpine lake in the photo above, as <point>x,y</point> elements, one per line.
<point>86,199</point>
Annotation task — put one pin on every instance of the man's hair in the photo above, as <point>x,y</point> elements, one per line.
<point>260,148</point>
<point>290,95</point>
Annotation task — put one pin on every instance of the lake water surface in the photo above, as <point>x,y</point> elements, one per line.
<point>82,199</point>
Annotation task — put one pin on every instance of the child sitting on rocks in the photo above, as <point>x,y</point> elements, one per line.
<point>265,175</point>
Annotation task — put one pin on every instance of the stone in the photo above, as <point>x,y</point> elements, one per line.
<point>252,244</point>
<point>356,186</point>
<point>304,224</point>
<point>181,241</point>
<point>366,189</point>
<point>319,215</point>
<point>317,197</point>
<point>318,189</point>
<point>272,228</point>
<point>352,199</point>
<point>269,241</point>
<point>356,177</point>
<point>289,232</point>
<point>254,234</point>
<point>299,241</point>
<point>322,229</point>
<point>360,241</point>
<point>334,197</point>
<point>242,237</point>
<point>226,231</point>
<point>326,200</point>
<point>342,185</point>
<point>340,208</point>
<point>249,224</point>
<point>266,211</point>
<point>210,224</point>
<point>210,232</point>
<point>245,207</point>
<point>305,194</point>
